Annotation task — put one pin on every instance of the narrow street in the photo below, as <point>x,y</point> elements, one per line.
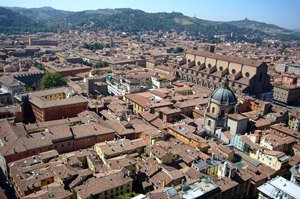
<point>6,188</point>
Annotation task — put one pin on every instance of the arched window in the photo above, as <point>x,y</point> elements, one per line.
<point>233,71</point>
<point>220,68</point>
<point>213,110</point>
<point>209,65</point>
<point>189,61</point>
<point>198,63</point>
<point>209,123</point>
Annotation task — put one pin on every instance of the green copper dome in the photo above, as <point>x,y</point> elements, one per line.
<point>224,95</point>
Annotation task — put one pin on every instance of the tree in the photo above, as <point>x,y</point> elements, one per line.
<point>179,50</point>
<point>101,64</point>
<point>51,80</point>
<point>28,88</point>
<point>96,46</point>
<point>39,66</point>
<point>126,196</point>
<point>86,63</point>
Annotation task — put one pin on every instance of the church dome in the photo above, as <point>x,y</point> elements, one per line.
<point>224,95</point>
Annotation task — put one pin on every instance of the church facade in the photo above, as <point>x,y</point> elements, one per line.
<point>221,103</point>
<point>207,69</point>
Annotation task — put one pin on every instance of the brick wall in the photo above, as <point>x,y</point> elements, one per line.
<point>74,71</point>
<point>63,147</point>
<point>63,111</point>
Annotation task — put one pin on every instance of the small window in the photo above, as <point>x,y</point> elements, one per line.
<point>209,123</point>
<point>233,71</point>
<point>220,68</point>
<point>247,74</point>
<point>189,61</point>
<point>213,109</point>
<point>198,63</point>
<point>209,65</point>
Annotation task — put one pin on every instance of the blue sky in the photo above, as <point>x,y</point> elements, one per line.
<point>285,13</point>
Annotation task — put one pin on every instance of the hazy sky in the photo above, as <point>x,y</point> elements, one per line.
<point>285,13</point>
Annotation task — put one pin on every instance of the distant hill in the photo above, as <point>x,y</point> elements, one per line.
<point>44,15</point>
<point>130,20</point>
<point>12,22</point>
<point>296,30</point>
<point>255,25</point>
<point>264,27</point>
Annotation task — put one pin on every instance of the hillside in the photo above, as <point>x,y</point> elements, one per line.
<point>130,20</point>
<point>264,27</point>
<point>44,15</point>
<point>296,29</point>
<point>11,22</point>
